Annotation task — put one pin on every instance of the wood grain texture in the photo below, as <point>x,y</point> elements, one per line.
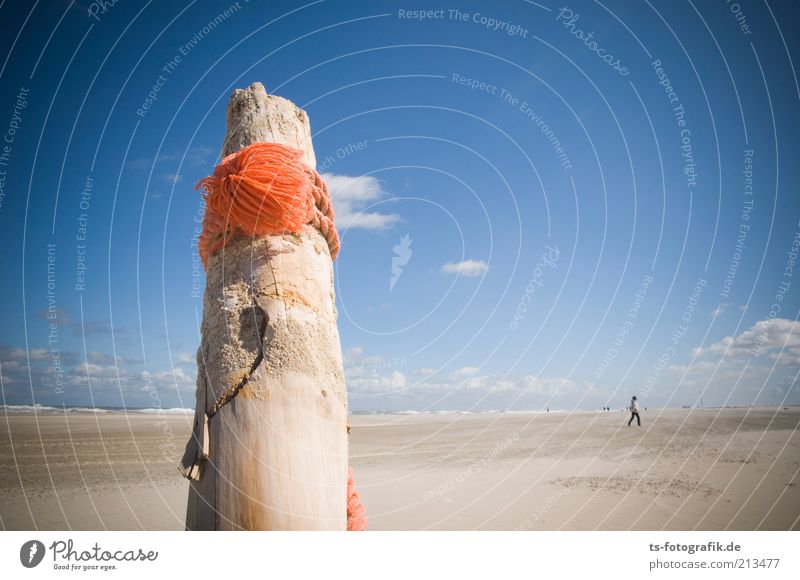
<point>277,448</point>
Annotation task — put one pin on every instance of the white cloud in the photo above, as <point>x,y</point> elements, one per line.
<point>21,354</point>
<point>350,195</point>
<point>720,309</point>
<point>185,357</point>
<point>182,377</point>
<point>790,356</point>
<point>738,369</point>
<point>765,336</point>
<point>170,377</point>
<point>173,177</point>
<point>353,352</point>
<point>377,383</point>
<point>373,374</point>
<point>543,386</point>
<point>96,371</point>
<point>50,380</point>
<point>469,268</point>
<point>476,382</point>
<point>464,372</point>
<point>377,375</point>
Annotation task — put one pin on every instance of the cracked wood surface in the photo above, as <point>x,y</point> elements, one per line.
<point>269,445</point>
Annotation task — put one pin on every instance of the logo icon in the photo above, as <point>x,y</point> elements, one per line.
<point>31,553</point>
<point>402,254</point>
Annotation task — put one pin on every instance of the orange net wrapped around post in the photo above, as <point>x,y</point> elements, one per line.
<point>264,189</point>
<point>267,189</point>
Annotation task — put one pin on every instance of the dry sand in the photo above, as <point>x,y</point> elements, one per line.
<point>712,469</point>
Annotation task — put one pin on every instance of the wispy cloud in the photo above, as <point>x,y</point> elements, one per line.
<point>64,376</point>
<point>185,357</point>
<point>760,361</point>
<point>351,195</point>
<point>378,375</point>
<point>176,376</point>
<point>464,372</point>
<point>720,309</point>
<point>765,336</point>
<point>172,177</point>
<point>468,268</point>
<point>373,374</point>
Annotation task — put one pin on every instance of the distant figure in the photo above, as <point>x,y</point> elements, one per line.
<point>635,412</point>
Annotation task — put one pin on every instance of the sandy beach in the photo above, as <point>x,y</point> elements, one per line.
<point>708,470</point>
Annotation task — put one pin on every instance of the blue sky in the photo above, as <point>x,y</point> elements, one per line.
<point>540,204</point>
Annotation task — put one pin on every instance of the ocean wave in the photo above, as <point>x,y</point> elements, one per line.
<point>37,408</point>
<point>170,411</point>
<point>27,408</point>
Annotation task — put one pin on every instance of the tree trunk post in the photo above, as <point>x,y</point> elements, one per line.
<point>273,456</point>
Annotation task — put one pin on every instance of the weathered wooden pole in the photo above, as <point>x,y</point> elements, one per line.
<point>269,446</point>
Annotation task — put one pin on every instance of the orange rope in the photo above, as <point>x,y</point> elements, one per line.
<point>267,189</point>
<point>356,519</point>
<point>264,189</point>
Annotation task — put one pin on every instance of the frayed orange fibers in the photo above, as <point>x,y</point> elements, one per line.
<point>356,520</point>
<point>264,189</point>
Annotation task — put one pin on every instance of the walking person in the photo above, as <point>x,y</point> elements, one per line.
<point>635,412</point>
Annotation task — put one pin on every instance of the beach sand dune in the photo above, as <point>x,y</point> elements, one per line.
<point>713,469</point>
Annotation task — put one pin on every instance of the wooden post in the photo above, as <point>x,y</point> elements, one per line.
<point>277,447</point>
